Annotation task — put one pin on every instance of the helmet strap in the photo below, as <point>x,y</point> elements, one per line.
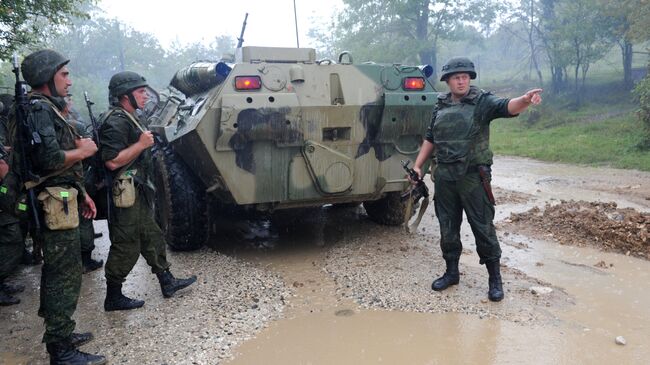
<point>52,87</point>
<point>132,101</point>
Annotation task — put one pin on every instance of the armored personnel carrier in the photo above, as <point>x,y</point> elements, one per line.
<point>279,129</point>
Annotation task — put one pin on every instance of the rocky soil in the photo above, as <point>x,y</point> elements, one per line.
<point>582,223</point>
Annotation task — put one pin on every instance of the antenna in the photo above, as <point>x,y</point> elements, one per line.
<point>295,16</point>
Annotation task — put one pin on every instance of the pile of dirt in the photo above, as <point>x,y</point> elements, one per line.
<point>591,223</point>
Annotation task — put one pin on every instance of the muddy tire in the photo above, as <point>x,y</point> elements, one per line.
<point>180,203</point>
<point>389,210</point>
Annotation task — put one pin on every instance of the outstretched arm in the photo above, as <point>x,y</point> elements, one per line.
<point>518,105</point>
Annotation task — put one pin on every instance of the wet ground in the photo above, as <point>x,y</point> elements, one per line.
<point>333,287</point>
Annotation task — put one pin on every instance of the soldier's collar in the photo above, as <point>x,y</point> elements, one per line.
<point>470,98</point>
<point>57,101</point>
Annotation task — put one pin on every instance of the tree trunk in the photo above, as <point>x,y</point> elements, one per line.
<point>626,50</point>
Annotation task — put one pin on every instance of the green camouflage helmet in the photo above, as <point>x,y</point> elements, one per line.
<point>457,65</point>
<point>124,82</point>
<point>39,67</point>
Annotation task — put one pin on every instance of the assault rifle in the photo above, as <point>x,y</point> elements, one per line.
<point>104,176</point>
<point>420,189</point>
<point>25,141</point>
<point>413,196</point>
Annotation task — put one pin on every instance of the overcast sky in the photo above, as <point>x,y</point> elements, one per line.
<point>270,22</point>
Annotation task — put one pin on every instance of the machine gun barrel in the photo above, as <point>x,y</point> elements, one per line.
<point>240,40</point>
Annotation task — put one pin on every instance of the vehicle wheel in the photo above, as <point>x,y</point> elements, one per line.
<point>389,210</point>
<point>180,203</point>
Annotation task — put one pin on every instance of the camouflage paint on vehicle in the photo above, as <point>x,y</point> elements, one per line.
<point>313,133</point>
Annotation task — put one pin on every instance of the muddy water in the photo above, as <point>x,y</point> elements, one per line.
<point>321,328</point>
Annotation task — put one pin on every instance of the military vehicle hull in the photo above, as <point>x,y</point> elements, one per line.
<point>280,130</point>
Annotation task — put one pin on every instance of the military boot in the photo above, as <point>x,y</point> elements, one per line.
<point>80,339</point>
<point>6,299</point>
<point>12,288</point>
<point>449,278</point>
<point>170,285</point>
<point>495,293</point>
<point>63,353</point>
<point>116,301</point>
<point>88,263</point>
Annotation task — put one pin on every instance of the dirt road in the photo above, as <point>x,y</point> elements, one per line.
<point>336,288</point>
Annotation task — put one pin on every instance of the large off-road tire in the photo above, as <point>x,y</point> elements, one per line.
<point>180,204</point>
<point>389,210</point>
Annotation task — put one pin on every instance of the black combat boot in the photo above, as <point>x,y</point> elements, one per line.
<point>12,288</point>
<point>6,299</point>
<point>116,301</point>
<point>449,278</point>
<point>88,263</point>
<point>495,293</point>
<point>170,285</point>
<point>63,353</point>
<point>80,339</point>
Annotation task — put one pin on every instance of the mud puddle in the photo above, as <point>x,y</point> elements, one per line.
<point>362,296</point>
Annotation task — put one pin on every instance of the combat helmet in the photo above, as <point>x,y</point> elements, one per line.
<point>40,67</point>
<point>456,65</point>
<point>124,82</point>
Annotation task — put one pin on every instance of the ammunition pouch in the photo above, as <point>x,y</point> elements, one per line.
<point>60,207</point>
<point>124,189</point>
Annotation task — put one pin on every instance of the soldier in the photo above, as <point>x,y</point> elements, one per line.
<point>125,148</point>
<point>86,229</point>
<point>460,134</point>
<point>57,160</point>
<point>11,240</point>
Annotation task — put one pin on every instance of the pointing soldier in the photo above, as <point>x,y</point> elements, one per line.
<point>126,151</point>
<point>460,134</point>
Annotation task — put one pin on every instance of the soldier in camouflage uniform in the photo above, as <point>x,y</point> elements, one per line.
<point>86,228</point>
<point>57,160</point>
<point>460,134</point>
<point>11,240</point>
<point>126,150</point>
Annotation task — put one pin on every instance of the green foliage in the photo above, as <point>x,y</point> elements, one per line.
<point>22,22</point>
<point>591,137</point>
<point>406,31</point>
<point>642,92</point>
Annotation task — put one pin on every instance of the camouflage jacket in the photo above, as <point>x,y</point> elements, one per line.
<point>57,136</point>
<point>117,132</point>
<point>461,131</point>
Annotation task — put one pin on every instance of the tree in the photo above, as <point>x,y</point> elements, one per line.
<point>582,26</point>
<point>528,13</point>
<point>628,24</point>
<point>22,21</point>
<point>405,30</point>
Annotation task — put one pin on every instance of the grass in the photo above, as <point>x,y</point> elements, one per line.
<point>589,137</point>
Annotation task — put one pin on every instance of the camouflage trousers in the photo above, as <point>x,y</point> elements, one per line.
<point>454,197</point>
<point>133,232</point>
<point>60,282</point>
<point>86,234</point>
<point>11,249</point>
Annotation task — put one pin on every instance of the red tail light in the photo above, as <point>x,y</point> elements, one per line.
<point>414,83</point>
<point>248,83</point>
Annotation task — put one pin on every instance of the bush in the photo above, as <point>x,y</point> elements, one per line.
<point>642,93</point>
